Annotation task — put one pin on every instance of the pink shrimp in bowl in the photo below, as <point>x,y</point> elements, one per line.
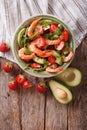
<point>46,42</point>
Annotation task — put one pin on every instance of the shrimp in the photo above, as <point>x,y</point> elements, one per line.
<point>32,26</point>
<point>36,50</point>
<point>69,57</point>
<point>54,69</point>
<point>23,56</point>
<point>55,42</point>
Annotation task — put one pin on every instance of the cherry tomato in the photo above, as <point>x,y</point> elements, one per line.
<point>20,79</point>
<point>35,65</point>
<point>60,46</point>
<point>41,87</point>
<point>8,67</point>
<point>13,85</point>
<point>40,42</point>
<point>4,47</point>
<point>53,27</point>
<point>66,35</point>
<point>51,59</point>
<point>26,84</point>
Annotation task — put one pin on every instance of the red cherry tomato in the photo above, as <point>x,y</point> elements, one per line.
<point>40,42</point>
<point>13,85</point>
<point>20,79</point>
<point>8,67</point>
<point>35,65</point>
<point>41,87</point>
<point>26,84</point>
<point>4,47</point>
<point>51,59</point>
<point>53,27</point>
<point>60,46</point>
<point>66,35</point>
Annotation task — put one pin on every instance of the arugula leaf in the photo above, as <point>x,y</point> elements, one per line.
<point>58,31</point>
<point>27,66</point>
<point>27,51</point>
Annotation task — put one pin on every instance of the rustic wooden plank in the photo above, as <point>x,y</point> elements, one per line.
<point>77,110</point>
<point>33,104</point>
<point>56,114</point>
<point>9,103</point>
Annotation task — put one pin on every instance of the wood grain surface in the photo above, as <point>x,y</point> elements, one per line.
<point>28,109</point>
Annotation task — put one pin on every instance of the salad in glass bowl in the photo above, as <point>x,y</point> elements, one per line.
<point>43,46</point>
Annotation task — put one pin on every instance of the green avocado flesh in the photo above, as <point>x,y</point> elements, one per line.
<point>70,76</point>
<point>56,89</point>
<point>40,60</point>
<point>20,34</point>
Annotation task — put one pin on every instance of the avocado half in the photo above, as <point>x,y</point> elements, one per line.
<point>61,92</point>
<point>71,77</point>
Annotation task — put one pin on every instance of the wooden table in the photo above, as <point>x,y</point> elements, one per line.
<point>28,109</point>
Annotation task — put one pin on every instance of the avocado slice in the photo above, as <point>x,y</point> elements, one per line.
<point>20,34</point>
<point>61,93</point>
<point>71,77</point>
<point>40,60</point>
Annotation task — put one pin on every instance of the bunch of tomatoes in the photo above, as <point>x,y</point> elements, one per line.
<point>20,79</point>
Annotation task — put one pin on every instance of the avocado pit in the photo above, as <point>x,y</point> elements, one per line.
<point>61,94</point>
<point>70,76</point>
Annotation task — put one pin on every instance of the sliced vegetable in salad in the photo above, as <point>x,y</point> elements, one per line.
<point>45,45</point>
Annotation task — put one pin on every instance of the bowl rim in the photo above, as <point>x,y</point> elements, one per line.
<point>14,36</point>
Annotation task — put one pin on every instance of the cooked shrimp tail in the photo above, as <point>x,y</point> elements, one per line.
<point>23,56</point>
<point>69,57</point>
<point>36,50</point>
<point>55,42</point>
<point>32,26</point>
<point>54,69</point>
